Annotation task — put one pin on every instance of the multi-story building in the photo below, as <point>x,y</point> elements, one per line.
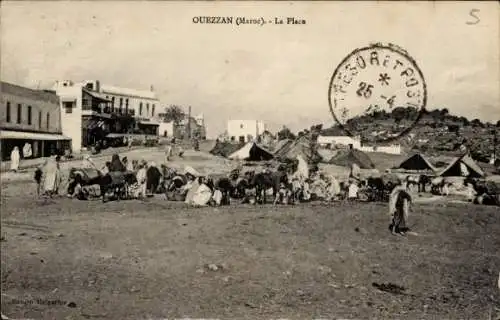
<point>30,117</point>
<point>245,130</point>
<point>93,113</point>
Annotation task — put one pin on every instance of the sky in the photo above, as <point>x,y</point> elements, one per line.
<point>276,73</point>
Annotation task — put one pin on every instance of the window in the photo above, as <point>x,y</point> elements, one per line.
<point>241,126</point>
<point>8,111</point>
<point>68,106</point>
<point>140,109</point>
<point>19,113</point>
<point>29,115</point>
<point>40,120</point>
<point>86,104</point>
<point>126,106</point>
<point>121,102</point>
<point>48,120</point>
<point>147,109</point>
<point>113,102</point>
<point>153,110</point>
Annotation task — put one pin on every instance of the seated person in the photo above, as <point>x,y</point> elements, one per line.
<point>283,194</point>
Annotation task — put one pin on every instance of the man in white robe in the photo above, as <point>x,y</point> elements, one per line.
<point>27,152</point>
<point>141,177</point>
<point>15,159</point>
<point>353,190</point>
<point>202,195</point>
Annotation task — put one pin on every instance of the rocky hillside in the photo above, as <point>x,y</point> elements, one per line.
<point>437,132</point>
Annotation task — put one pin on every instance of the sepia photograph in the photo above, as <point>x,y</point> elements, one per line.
<point>250,160</point>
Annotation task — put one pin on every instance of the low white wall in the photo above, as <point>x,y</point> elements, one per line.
<point>395,149</point>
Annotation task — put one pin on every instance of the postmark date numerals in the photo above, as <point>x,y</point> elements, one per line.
<point>364,90</point>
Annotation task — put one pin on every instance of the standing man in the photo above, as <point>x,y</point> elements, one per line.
<point>399,209</point>
<point>15,159</point>
<point>181,151</point>
<point>168,153</point>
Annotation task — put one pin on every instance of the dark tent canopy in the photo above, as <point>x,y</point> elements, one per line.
<point>251,152</point>
<point>416,162</point>
<point>456,168</point>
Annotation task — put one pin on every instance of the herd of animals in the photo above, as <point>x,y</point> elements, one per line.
<point>243,186</point>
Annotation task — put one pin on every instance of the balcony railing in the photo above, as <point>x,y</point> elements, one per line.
<point>108,109</point>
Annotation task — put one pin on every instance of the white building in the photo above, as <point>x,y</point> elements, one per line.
<point>340,140</point>
<point>166,129</point>
<point>200,120</point>
<point>242,130</point>
<point>88,105</point>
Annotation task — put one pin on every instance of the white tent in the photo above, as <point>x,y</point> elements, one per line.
<point>251,151</point>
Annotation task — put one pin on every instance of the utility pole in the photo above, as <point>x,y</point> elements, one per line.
<point>189,123</point>
<point>495,139</point>
<point>256,130</point>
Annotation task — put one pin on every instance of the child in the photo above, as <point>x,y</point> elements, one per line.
<point>38,180</point>
<point>282,195</point>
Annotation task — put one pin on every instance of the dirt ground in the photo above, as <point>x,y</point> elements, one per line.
<point>70,259</point>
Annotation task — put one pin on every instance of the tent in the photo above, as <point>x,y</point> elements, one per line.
<point>416,162</point>
<point>251,152</point>
<point>299,147</point>
<point>282,144</point>
<point>224,148</point>
<point>463,166</point>
<point>348,157</point>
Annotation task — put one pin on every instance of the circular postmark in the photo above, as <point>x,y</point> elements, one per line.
<point>381,81</point>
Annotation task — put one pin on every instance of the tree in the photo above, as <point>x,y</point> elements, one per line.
<point>285,133</point>
<point>477,123</point>
<point>498,124</point>
<point>464,121</point>
<point>454,128</point>
<point>399,114</point>
<point>173,113</point>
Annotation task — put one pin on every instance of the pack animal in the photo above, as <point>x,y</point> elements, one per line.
<point>264,181</point>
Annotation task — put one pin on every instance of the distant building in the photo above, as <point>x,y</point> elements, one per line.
<point>245,130</point>
<point>33,117</point>
<point>185,128</point>
<point>346,141</point>
<point>92,112</point>
<point>167,129</point>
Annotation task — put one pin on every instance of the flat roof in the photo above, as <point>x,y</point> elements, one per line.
<point>25,92</point>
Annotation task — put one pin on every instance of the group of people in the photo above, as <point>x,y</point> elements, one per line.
<point>143,177</point>
<point>289,187</point>
<point>195,189</point>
